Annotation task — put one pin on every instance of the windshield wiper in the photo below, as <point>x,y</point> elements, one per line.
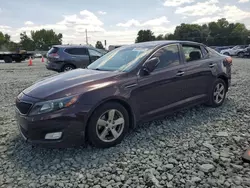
<point>100,69</point>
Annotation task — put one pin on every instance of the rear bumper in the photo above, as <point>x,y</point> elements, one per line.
<point>54,66</point>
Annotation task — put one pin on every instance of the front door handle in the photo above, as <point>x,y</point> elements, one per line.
<point>211,65</point>
<point>180,73</point>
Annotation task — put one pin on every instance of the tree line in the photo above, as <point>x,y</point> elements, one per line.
<point>219,33</point>
<point>39,40</point>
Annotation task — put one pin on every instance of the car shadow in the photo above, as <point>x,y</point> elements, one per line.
<point>42,161</point>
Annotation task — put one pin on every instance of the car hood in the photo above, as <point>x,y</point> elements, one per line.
<point>71,83</point>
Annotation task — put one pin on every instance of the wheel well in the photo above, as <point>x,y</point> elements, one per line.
<point>225,80</point>
<point>124,104</point>
<point>68,64</point>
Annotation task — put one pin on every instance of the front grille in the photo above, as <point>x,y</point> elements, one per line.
<point>23,107</point>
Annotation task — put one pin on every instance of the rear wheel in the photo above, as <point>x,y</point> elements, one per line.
<point>67,67</point>
<point>7,59</point>
<point>218,93</point>
<point>108,125</point>
<point>241,54</point>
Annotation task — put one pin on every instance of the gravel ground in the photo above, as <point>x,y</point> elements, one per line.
<point>198,147</point>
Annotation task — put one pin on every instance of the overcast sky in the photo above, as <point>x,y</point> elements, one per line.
<point>114,20</point>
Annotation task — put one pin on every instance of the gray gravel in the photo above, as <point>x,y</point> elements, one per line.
<point>198,147</point>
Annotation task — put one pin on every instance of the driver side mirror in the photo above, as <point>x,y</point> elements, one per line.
<point>150,65</point>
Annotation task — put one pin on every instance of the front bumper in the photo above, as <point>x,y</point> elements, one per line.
<point>34,131</point>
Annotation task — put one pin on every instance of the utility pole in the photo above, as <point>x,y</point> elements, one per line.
<point>86,36</point>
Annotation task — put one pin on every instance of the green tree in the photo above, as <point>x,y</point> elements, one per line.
<point>2,39</point>
<point>26,43</point>
<point>99,45</point>
<point>44,39</point>
<point>145,35</point>
<point>220,33</point>
<point>12,46</point>
<point>170,36</point>
<point>7,38</point>
<point>160,37</point>
<point>191,32</point>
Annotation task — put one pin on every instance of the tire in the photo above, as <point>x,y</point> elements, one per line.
<point>240,54</point>
<point>226,53</point>
<point>68,67</point>
<point>7,59</point>
<point>213,102</point>
<point>102,114</point>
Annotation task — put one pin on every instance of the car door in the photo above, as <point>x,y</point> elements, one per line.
<point>78,56</point>
<point>161,90</point>
<point>94,55</point>
<point>199,71</point>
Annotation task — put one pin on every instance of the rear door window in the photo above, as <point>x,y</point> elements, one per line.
<point>192,52</point>
<point>77,51</point>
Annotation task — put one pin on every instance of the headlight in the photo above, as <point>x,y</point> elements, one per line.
<point>53,105</point>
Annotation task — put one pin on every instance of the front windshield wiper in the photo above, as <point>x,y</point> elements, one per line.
<point>98,69</point>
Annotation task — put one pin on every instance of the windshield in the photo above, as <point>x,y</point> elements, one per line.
<point>236,47</point>
<point>120,59</point>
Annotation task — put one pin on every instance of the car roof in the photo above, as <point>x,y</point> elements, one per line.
<point>73,46</point>
<point>154,44</point>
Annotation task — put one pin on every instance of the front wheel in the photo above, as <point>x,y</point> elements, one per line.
<point>218,93</point>
<point>108,125</point>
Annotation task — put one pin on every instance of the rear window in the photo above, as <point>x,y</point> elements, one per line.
<point>76,51</point>
<point>53,50</point>
<point>205,52</point>
<point>212,52</point>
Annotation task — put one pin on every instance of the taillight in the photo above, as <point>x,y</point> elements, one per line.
<point>54,55</point>
<point>228,60</point>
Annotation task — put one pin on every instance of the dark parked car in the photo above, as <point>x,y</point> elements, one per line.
<point>127,85</point>
<point>64,58</point>
<point>247,52</point>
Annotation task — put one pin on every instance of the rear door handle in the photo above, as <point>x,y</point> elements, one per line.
<point>180,73</point>
<point>211,65</point>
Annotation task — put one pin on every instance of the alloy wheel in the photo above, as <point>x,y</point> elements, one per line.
<point>67,69</point>
<point>110,125</point>
<point>219,93</point>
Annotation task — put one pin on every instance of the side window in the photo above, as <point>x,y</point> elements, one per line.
<point>192,53</point>
<point>169,56</point>
<point>94,53</point>
<point>77,51</point>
